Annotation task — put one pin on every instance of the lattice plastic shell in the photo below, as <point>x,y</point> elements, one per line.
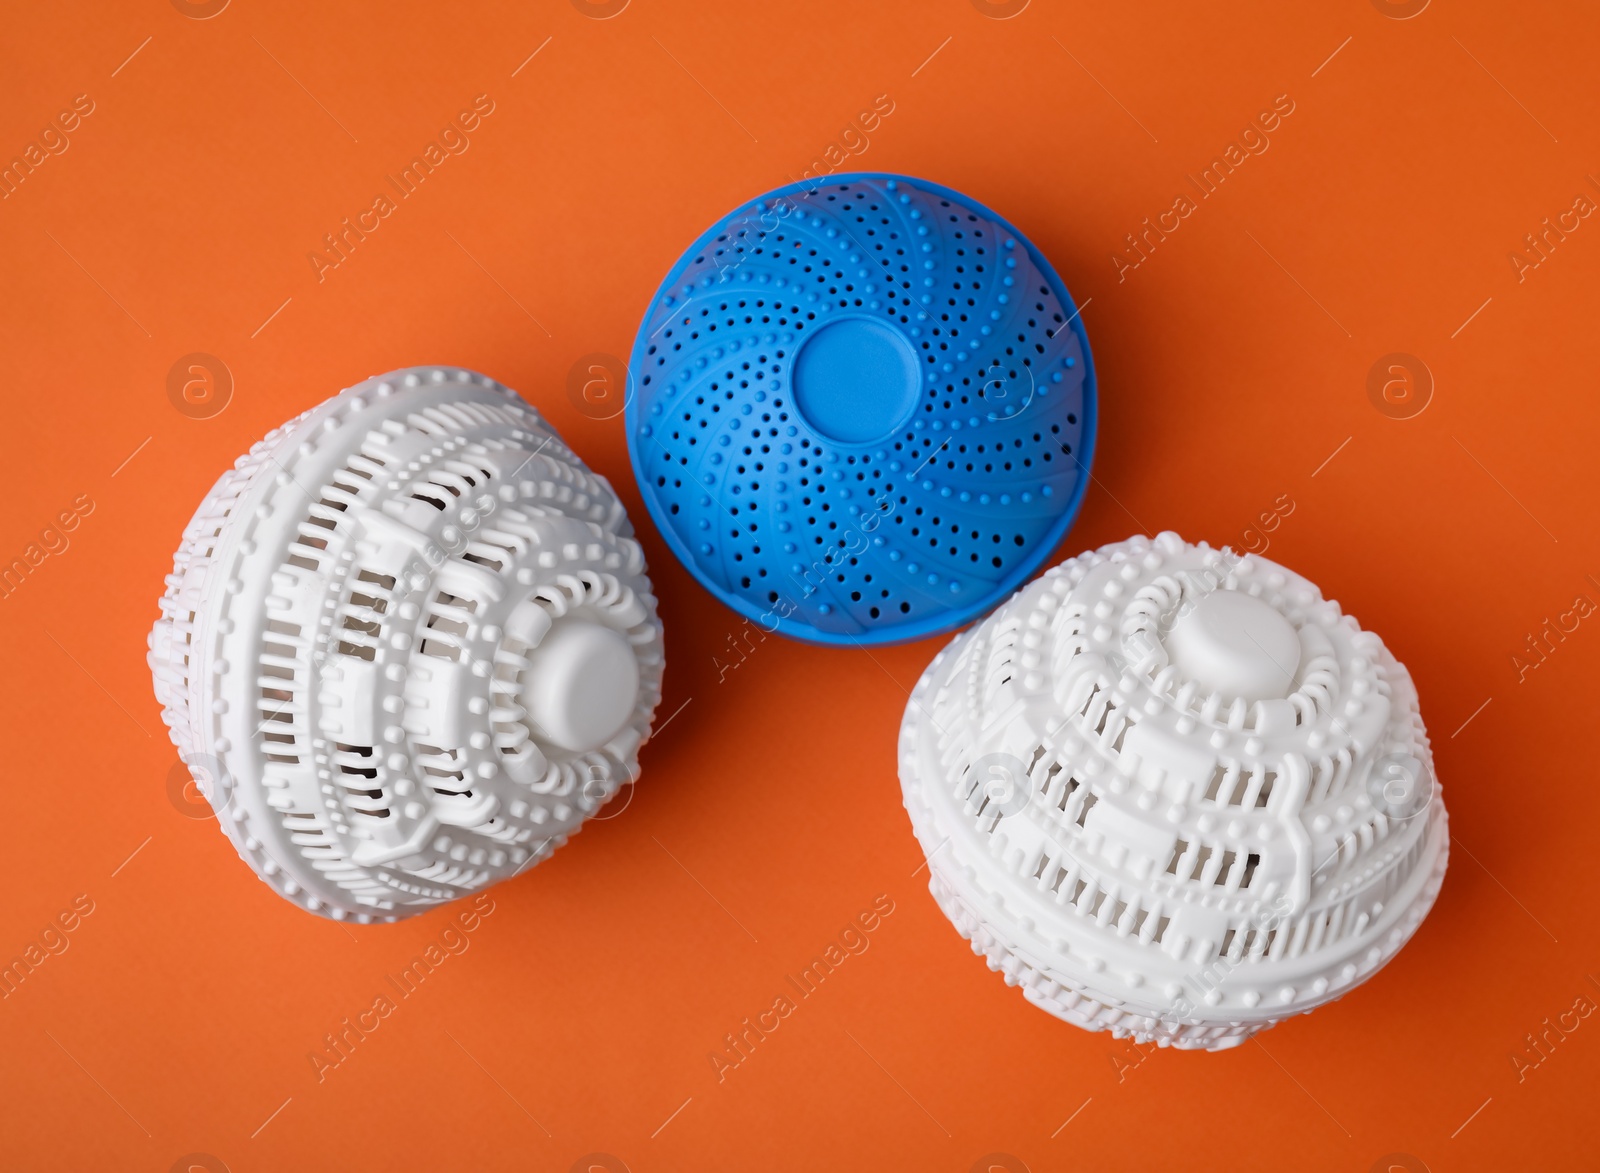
<point>862,410</point>
<point>1175,794</point>
<point>407,647</point>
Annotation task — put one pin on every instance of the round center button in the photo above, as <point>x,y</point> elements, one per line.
<point>855,380</point>
<point>1237,645</point>
<point>582,684</point>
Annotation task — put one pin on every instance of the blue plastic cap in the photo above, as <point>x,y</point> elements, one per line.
<point>862,410</point>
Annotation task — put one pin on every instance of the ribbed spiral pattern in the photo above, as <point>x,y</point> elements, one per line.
<point>862,411</point>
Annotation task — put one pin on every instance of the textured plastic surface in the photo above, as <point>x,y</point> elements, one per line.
<point>407,646</point>
<point>863,410</point>
<point>1175,794</point>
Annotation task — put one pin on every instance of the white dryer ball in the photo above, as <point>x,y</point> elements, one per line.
<point>408,646</point>
<point>1174,793</point>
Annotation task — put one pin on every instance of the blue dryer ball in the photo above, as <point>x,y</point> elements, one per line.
<point>862,410</point>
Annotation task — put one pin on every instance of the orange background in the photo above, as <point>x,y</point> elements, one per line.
<point>1233,371</point>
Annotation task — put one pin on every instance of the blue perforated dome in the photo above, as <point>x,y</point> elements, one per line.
<point>862,411</point>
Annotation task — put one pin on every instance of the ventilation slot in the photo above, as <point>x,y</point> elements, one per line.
<point>1179,850</point>
<point>1266,790</point>
<point>276,705</point>
<point>1225,869</point>
<point>443,770</point>
<point>449,482</point>
<point>493,557</point>
<point>1116,745</point>
<point>448,626</point>
<point>358,769</point>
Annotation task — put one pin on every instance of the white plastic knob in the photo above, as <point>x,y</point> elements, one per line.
<point>582,685</point>
<point>1174,793</point>
<point>408,646</point>
<point>1235,644</point>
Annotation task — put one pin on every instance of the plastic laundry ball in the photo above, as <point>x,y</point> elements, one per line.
<point>1174,793</point>
<point>407,647</point>
<point>862,410</point>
